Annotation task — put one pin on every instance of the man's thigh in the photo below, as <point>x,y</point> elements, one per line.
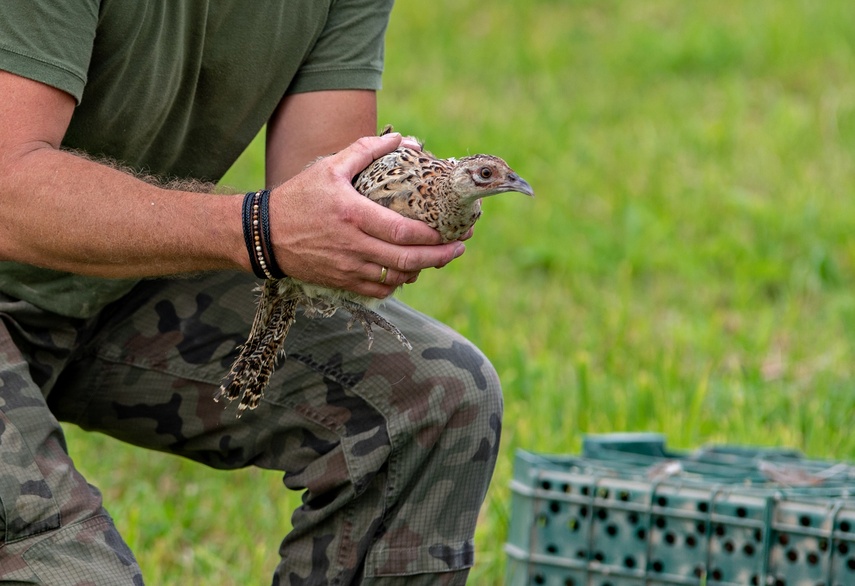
<point>151,366</point>
<point>151,371</point>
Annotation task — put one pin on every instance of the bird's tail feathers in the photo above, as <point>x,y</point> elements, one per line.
<point>254,365</point>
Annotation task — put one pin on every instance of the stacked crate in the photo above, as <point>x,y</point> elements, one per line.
<point>628,512</point>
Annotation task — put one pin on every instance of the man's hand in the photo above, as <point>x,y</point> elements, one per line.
<point>325,232</point>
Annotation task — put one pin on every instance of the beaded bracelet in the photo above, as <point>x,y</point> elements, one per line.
<point>256,235</point>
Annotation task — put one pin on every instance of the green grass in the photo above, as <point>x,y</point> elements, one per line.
<point>687,266</point>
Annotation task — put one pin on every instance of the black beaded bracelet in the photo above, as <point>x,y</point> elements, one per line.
<point>256,235</point>
<point>248,237</point>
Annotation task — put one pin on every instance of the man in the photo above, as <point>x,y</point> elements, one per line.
<point>394,450</point>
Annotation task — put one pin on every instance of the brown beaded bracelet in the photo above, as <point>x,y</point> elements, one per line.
<point>256,234</point>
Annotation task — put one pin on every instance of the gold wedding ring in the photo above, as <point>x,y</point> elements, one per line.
<point>383,272</point>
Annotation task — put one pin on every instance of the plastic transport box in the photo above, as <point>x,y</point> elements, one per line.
<point>629,512</point>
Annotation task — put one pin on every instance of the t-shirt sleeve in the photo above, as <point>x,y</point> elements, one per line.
<point>349,51</point>
<point>48,41</point>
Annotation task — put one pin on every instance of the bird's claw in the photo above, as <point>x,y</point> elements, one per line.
<point>366,317</point>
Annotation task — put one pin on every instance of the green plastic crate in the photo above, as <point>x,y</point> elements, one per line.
<point>628,512</point>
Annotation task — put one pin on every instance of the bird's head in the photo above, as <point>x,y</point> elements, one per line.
<point>478,176</point>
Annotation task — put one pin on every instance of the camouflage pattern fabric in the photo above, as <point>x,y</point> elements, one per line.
<point>393,449</point>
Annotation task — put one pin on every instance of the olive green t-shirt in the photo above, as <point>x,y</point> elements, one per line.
<point>177,88</point>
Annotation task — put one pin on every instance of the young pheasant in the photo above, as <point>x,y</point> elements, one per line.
<point>444,193</point>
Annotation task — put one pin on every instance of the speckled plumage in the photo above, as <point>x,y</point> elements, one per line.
<point>444,193</point>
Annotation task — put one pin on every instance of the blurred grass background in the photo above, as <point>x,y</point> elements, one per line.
<point>687,266</point>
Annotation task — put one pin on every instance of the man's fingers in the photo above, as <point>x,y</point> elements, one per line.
<point>382,223</point>
<point>410,259</point>
<point>391,277</point>
<point>375,282</point>
<point>365,151</point>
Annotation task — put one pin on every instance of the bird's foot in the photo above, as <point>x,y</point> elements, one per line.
<point>366,318</point>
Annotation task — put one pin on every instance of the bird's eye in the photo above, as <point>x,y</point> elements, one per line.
<point>486,172</point>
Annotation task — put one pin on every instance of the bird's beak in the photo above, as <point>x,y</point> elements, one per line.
<point>518,184</point>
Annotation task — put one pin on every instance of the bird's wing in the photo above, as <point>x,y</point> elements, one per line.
<point>390,181</point>
<point>401,180</point>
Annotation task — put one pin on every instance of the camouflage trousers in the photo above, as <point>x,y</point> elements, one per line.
<point>394,450</point>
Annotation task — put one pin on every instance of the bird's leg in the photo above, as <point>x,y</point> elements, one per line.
<point>366,317</point>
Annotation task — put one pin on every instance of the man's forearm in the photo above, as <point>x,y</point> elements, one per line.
<point>65,212</point>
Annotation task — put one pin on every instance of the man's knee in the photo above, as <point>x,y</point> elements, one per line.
<point>451,402</point>
<point>89,552</point>
<point>53,529</point>
<point>473,393</point>
<point>445,436</point>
